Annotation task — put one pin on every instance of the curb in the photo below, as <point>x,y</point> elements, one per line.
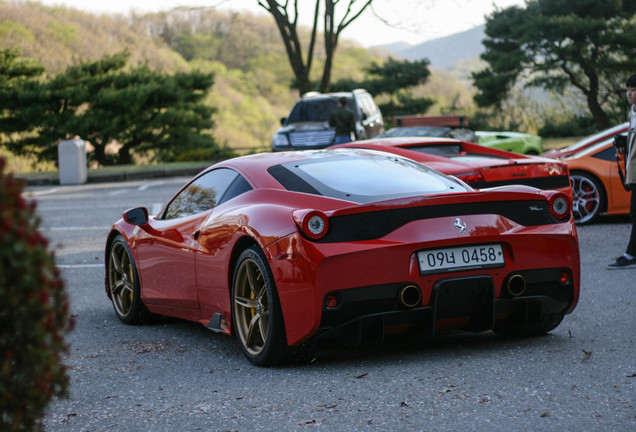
<point>122,176</point>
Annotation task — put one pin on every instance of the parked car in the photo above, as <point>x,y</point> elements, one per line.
<point>462,133</point>
<point>510,141</point>
<point>516,142</point>
<point>596,184</point>
<point>284,249</point>
<point>307,125</point>
<point>481,167</point>
<point>587,142</point>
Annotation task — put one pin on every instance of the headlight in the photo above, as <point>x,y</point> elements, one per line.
<point>280,140</point>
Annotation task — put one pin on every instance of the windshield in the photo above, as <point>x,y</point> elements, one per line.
<point>312,110</point>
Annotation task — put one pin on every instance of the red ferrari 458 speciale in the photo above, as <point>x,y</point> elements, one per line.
<point>286,249</point>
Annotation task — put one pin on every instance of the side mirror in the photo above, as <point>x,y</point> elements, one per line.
<point>283,120</point>
<point>136,216</point>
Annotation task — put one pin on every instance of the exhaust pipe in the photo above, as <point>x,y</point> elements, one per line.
<point>410,296</point>
<point>516,285</point>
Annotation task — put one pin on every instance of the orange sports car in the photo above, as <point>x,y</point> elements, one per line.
<point>596,182</point>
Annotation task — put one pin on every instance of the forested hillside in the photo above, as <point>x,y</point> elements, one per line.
<point>60,37</point>
<point>253,80</point>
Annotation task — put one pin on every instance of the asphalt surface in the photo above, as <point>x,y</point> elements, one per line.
<point>174,375</point>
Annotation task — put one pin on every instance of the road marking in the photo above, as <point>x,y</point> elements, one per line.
<point>42,208</point>
<point>141,188</point>
<point>118,192</point>
<point>73,266</point>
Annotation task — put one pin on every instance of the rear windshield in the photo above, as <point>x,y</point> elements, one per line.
<point>416,131</point>
<point>447,150</point>
<point>363,178</point>
<point>314,110</point>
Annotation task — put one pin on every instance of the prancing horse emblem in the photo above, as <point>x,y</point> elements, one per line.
<point>459,225</point>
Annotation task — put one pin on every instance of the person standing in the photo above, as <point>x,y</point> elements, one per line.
<point>628,259</point>
<point>344,121</point>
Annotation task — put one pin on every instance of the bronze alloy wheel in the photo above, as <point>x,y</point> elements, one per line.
<point>251,307</point>
<point>256,314</point>
<point>123,283</point>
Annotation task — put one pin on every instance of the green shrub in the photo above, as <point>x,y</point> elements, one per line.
<point>33,314</point>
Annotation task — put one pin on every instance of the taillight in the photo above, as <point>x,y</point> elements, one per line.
<point>472,177</point>
<point>560,206</point>
<point>313,224</point>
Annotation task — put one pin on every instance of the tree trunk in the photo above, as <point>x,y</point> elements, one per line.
<point>331,41</point>
<point>291,41</point>
<point>100,153</point>
<point>601,118</point>
<point>125,157</point>
<point>287,29</point>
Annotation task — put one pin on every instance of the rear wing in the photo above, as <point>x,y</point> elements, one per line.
<point>460,121</point>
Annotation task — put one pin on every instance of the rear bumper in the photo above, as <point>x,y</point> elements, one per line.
<point>467,303</point>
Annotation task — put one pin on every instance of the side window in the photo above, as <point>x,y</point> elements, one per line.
<point>203,193</point>
<point>609,154</point>
<point>239,186</point>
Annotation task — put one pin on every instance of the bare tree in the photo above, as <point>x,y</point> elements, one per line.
<point>286,14</point>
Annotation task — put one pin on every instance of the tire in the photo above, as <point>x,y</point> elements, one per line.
<point>257,318</point>
<point>123,284</point>
<point>547,323</point>
<point>589,197</point>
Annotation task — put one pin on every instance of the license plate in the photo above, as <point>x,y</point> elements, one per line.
<point>460,258</point>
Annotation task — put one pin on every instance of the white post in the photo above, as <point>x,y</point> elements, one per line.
<point>72,161</point>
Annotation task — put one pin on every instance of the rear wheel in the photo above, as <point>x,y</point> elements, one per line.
<point>589,197</point>
<point>256,314</point>
<point>123,283</point>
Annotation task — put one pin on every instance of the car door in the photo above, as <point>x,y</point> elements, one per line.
<point>167,259</point>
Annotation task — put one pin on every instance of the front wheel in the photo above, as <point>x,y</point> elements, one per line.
<point>256,314</point>
<point>589,197</point>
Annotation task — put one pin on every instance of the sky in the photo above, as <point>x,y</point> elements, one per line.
<point>388,21</point>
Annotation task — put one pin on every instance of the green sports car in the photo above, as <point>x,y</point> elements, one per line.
<point>512,141</point>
